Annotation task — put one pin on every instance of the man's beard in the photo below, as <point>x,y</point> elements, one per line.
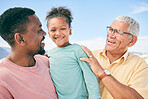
<point>41,51</point>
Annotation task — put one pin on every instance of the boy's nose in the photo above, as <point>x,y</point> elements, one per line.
<point>58,32</point>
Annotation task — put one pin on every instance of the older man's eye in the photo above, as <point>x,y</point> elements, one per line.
<point>119,32</point>
<point>110,29</point>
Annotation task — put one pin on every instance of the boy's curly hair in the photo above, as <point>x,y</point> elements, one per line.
<point>60,12</point>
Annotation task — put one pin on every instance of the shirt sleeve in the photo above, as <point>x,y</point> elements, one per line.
<point>4,93</point>
<point>139,79</point>
<point>89,77</point>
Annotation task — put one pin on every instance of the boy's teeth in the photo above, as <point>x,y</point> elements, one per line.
<point>59,38</point>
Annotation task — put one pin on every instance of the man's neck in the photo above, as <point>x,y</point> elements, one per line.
<point>22,59</point>
<point>114,56</point>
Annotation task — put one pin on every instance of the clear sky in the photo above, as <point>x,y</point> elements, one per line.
<point>90,18</point>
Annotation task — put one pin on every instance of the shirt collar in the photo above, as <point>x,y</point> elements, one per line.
<point>124,57</point>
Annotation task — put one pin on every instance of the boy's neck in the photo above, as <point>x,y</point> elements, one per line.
<point>66,44</point>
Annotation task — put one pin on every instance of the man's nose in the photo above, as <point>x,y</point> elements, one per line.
<point>112,34</point>
<point>44,33</point>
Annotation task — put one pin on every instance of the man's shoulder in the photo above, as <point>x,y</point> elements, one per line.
<point>4,70</point>
<point>97,52</point>
<point>137,60</point>
<point>3,63</point>
<point>135,57</point>
<point>41,57</point>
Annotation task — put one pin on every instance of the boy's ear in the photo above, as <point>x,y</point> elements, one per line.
<point>70,32</point>
<point>133,41</point>
<point>19,38</point>
<point>49,34</point>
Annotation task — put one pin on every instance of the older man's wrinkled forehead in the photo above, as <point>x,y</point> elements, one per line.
<point>120,26</point>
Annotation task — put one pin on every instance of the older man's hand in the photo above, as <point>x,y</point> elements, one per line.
<point>94,64</point>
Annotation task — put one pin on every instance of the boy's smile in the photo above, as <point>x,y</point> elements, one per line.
<point>59,38</point>
<point>59,31</point>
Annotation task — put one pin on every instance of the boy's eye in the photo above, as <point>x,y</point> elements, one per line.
<point>63,28</point>
<point>52,30</point>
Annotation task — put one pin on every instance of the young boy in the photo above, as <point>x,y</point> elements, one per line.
<point>73,79</point>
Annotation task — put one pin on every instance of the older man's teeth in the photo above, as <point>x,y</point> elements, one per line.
<point>111,42</point>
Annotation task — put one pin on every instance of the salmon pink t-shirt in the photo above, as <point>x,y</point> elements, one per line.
<point>20,82</point>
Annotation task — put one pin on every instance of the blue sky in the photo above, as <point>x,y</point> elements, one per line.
<point>90,18</point>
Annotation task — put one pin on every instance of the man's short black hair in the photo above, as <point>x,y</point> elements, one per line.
<point>14,20</point>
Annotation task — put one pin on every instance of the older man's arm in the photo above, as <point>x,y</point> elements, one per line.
<point>116,89</point>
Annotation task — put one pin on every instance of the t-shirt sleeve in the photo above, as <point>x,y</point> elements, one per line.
<point>4,93</point>
<point>89,77</point>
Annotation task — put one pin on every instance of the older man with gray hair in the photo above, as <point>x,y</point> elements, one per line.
<point>121,75</point>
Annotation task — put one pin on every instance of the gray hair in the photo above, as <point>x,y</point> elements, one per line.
<point>133,24</point>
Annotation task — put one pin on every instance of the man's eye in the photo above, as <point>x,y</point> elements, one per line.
<point>118,31</point>
<point>110,29</point>
<point>40,31</point>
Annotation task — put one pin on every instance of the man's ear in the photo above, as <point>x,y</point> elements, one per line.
<point>19,38</point>
<point>133,41</point>
<point>70,32</point>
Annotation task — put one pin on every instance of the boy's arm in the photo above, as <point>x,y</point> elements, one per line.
<point>90,79</point>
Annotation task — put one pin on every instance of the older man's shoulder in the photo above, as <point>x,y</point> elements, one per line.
<point>137,59</point>
<point>96,52</point>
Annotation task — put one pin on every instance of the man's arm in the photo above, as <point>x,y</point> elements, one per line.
<point>116,89</point>
<point>4,93</point>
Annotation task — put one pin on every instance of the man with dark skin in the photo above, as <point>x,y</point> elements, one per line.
<point>24,74</point>
<point>42,52</point>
